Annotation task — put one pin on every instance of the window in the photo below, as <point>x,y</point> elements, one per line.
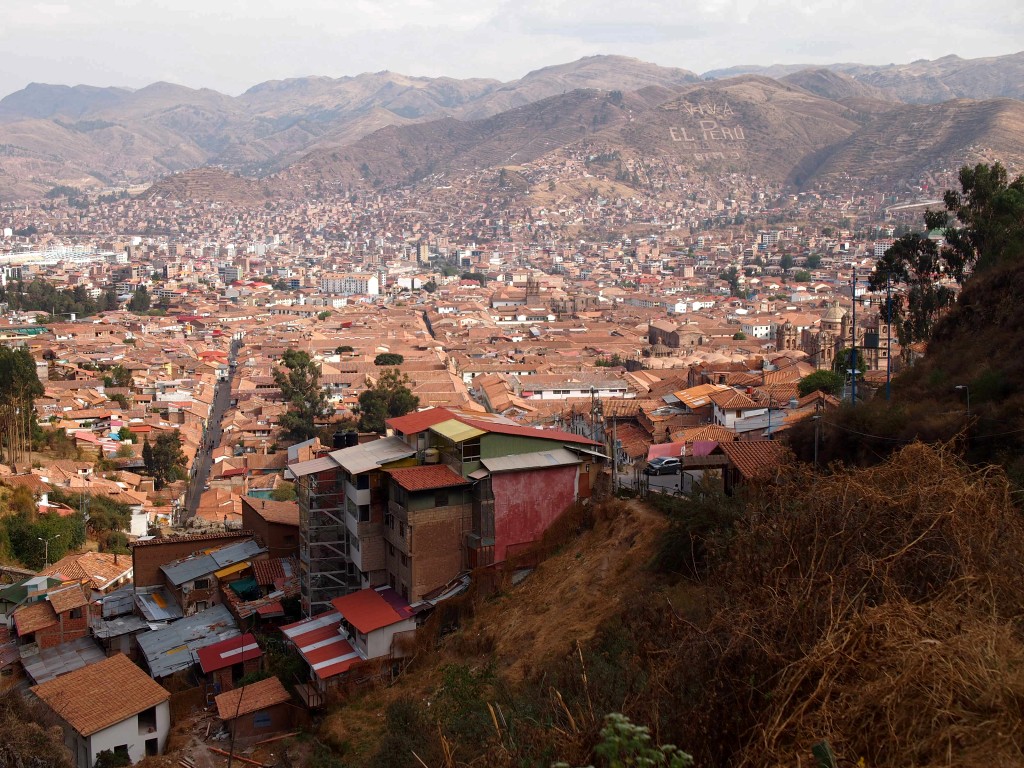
<point>404,560</point>
<point>152,747</point>
<point>202,605</point>
<point>364,513</point>
<point>401,529</point>
<point>389,520</point>
<point>261,720</point>
<point>441,498</point>
<point>355,543</point>
<point>391,551</point>
<point>471,450</point>
<point>201,584</point>
<point>76,613</point>
<point>147,720</point>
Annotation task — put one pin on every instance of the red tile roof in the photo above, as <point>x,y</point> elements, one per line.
<point>102,694</point>
<point>366,610</point>
<point>412,423</point>
<point>427,477</point>
<point>755,457</point>
<point>33,617</point>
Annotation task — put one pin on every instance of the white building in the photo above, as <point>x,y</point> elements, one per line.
<point>351,284</point>
<point>110,705</point>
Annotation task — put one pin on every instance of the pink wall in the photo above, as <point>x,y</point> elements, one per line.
<point>525,504</point>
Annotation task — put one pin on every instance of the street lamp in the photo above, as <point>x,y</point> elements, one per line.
<point>967,390</point>
<point>46,548</point>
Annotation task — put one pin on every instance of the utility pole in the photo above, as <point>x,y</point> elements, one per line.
<point>46,548</point>
<point>817,430</point>
<point>888,335</point>
<point>853,341</point>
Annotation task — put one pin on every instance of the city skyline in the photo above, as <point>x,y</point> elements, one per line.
<point>231,47</point>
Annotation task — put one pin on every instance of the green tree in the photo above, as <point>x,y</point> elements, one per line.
<point>343,349</point>
<point>739,336</point>
<point>140,300</point>
<point>389,398</point>
<point>786,261</point>
<point>168,459</point>
<point>801,276</point>
<point>732,277</point>
<point>321,316</point>
<point>813,261</point>
<point>388,358</point>
<point>823,380</point>
<point>19,387</point>
<point>119,376</point>
<point>307,400</point>
<point>147,456</point>
<point>990,213</point>
<point>915,261</point>
<point>284,492</point>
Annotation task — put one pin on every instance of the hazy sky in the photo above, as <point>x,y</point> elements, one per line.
<point>230,45</point>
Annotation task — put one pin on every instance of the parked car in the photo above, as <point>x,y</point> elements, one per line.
<point>663,465</point>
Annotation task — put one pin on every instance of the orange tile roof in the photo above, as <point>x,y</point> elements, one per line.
<point>755,457</point>
<point>281,512</point>
<point>102,694</point>
<point>251,698</point>
<point>67,596</point>
<point>33,617</point>
<point>427,477</point>
<point>732,399</point>
<point>98,568</point>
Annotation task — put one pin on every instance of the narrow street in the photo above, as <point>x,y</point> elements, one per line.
<point>211,439</point>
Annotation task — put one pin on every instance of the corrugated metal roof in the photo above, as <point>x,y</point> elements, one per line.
<point>235,553</point>
<point>118,602</point>
<point>189,570</point>
<point>311,467</point>
<point>173,648</point>
<point>49,663</point>
<point>158,605</point>
<point>367,456</point>
<point>456,431</point>
<point>557,457</point>
<point>122,625</point>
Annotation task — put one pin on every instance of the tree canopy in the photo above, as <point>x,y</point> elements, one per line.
<point>390,397</point>
<point>982,227</point>
<point>140,300</point>
<point>823,380</point>
<point>19,387</point>
<point>388,358</point>
<point>307,399</point>
<point>164,460</point>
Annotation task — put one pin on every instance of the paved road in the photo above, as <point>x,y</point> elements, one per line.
<point>204,459</point>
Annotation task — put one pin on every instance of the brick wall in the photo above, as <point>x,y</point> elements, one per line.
<point>437,547</point>
<point>148,556</point>
<point>65,629</point>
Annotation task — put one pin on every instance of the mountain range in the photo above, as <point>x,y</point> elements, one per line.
<point>796,123</point>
